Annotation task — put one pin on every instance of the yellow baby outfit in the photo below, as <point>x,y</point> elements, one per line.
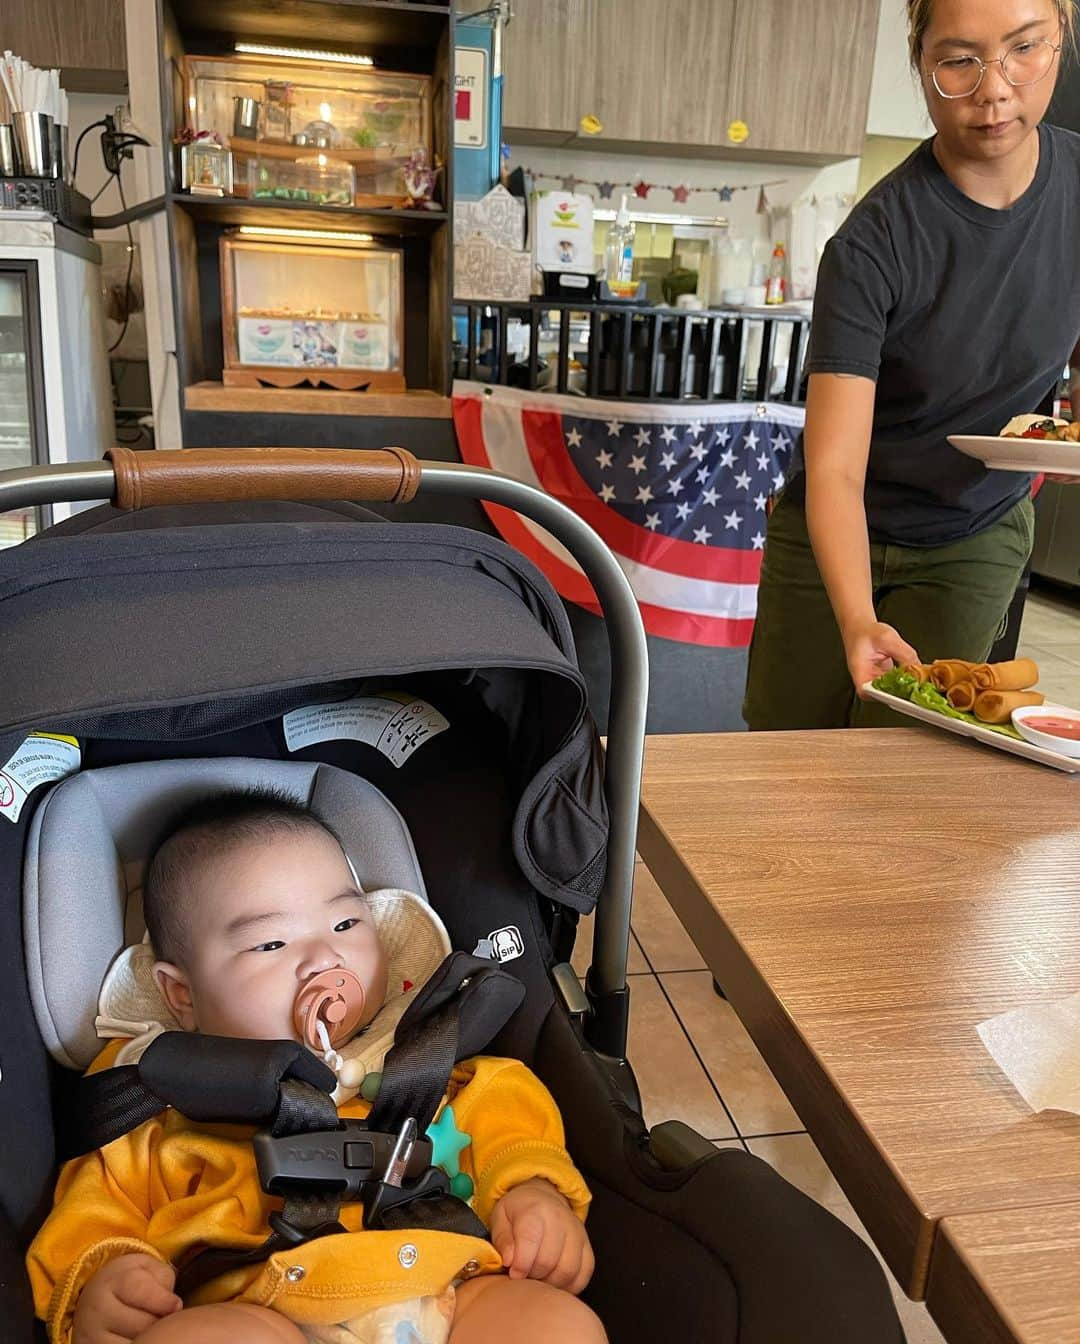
<point>171,1188</point>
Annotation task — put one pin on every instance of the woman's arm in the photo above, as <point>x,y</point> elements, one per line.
<point>839,418</point>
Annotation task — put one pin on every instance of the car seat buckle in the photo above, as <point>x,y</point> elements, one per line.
<point>337,1161</point>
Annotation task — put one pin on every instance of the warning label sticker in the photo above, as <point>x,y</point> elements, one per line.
<point>42,758</point>
<point>394,724</point>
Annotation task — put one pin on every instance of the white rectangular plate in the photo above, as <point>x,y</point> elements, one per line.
<point>1070,764</point>
<point>1000,454</point>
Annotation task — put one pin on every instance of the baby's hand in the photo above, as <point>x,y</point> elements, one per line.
<point>124,1298</point>
<point>539,1237</point>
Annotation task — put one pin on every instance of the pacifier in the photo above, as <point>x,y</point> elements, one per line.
<point>328,1009</point>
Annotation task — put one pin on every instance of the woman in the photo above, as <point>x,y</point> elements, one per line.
<point>947,303</point>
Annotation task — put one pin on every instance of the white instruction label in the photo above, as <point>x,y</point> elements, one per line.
<point>42,758</point>
<point>394,724</point>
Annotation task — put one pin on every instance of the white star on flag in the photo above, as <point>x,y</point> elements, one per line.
<point>702,535</point>
<point>763,462</point>
<point>758,541</point>
<point>675,486</point>
<point>722,436</point>
<point>751,441</point>
<point>604,458</point>
<point>643,436</point>
<point>684,511</point>
<point>574,438</point>
<point>698,452</point>
<point>644,495</point>
<point>607,493</point>
<point>652,522</point>
<point>703,475</point>
<point>759,502</point>
<point>742,481</point>
<point>697,429</point>
<point>637,465</point>
<point>614,428</point>
<point>667,462</point>
<point>778,481</point>
<point>781,441</point>
<point>667,434</point>
<point>711,497</point>
<point>732,520</point>
<point>728,458</point>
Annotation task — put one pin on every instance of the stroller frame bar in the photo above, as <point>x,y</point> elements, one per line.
<point>606,988</point>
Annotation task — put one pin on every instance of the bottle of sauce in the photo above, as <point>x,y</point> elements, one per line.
<point>776,285</point>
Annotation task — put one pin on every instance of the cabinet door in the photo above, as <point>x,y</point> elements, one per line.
<point>69,34</point>
<point>657,70</point>
<point>800,74</point>
<point>543,62</point>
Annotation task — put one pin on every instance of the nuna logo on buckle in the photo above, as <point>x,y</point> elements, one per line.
<point>504,944</point>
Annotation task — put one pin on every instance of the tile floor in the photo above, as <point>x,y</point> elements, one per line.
<point>693,1059</point>
<point>1050,633</point>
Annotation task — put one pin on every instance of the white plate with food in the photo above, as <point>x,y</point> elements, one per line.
<point>1027,443</point>
<point>990,702</point>
<point>963,728</point>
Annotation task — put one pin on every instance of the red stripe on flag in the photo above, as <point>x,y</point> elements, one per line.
<point>570,583</point>
<point>559,476</point>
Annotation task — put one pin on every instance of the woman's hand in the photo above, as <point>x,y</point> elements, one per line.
<point>872,649</point>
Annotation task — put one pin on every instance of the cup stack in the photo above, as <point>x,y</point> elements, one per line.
<point>33,120</point>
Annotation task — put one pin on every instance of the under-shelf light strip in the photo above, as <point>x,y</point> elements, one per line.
<point>303,54</point>
<point>318,235</point>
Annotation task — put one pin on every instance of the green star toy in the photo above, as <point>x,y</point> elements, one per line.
<point>447,1143</point>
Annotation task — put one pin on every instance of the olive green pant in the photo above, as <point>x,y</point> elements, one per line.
<point>947,601</point>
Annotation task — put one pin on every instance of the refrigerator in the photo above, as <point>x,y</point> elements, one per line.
<point>55,392</point>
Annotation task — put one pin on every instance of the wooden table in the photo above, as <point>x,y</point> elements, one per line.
<point>998,1278</point>
<point>865,898</point>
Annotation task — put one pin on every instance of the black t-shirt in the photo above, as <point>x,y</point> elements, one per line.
<point>965,316</point>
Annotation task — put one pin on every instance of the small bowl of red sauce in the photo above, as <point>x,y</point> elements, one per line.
<point>1050,726</point>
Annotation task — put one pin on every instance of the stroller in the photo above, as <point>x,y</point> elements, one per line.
<point>205,630</point>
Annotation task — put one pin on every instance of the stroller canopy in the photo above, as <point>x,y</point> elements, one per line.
<point>177,628</point>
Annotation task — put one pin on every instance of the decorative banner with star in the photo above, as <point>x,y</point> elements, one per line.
<point>679,493</point>
<point>680,191</point>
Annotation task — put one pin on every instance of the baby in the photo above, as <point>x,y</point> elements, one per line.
<point>248,899</point>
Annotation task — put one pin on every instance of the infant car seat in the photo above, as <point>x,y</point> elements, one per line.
<point>171,642</point>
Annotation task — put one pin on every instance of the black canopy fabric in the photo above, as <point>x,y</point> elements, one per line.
<point>166,626</point>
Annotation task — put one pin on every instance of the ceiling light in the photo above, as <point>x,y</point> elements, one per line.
<point>316,235</point>
<point>303,54</point>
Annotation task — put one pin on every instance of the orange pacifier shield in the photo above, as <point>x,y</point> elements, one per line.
<point>335,998</point>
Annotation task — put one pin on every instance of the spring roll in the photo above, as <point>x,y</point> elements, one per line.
<point>962,695</point>
<point>997,706</point>
<point>920,671</point>
<point>946,672</point>
<point>1018,675</point>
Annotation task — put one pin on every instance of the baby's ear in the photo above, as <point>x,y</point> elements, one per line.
<point>176,991</point>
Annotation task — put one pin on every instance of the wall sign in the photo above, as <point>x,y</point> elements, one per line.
<point>471,98</point>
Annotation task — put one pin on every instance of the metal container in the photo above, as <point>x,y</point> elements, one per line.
<point>58,144</point>
<point>34,142</point>
<point>246,118</point>
<point>8,163</point>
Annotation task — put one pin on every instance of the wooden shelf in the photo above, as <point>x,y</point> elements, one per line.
<point>419,405</point>
<point>371,29</point>
<point>301,215</point>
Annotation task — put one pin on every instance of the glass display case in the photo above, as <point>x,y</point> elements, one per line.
<point>298,112</point>
<point>300,308</point>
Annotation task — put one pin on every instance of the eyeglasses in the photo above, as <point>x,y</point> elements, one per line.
<point>1027,63</point>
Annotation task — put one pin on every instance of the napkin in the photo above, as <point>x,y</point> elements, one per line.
<point>1038,1049</point>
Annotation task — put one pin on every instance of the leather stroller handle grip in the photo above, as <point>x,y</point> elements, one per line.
<point>220,475</point>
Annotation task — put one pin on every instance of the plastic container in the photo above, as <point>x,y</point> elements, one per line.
<point>319,181</point>
<point>776,286</point>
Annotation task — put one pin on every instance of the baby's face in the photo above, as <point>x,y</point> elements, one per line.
<point>264,918</point>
